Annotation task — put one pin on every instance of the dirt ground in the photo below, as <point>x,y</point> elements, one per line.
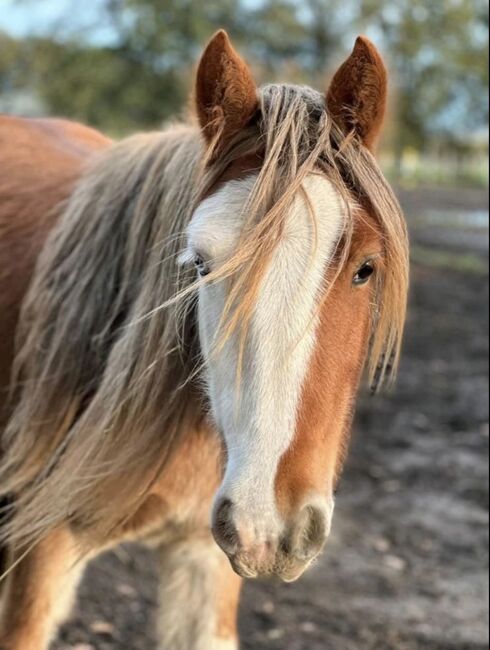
<point>407,565</point>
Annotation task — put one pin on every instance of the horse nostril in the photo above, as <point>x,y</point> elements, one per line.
<point>224,530</point>
<point>316,533</point>
<point>309,534</point>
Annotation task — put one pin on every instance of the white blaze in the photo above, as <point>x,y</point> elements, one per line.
<point>259,423</point>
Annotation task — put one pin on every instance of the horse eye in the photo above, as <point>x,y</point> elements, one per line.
<point>364,273</point>
<point>201,266</point>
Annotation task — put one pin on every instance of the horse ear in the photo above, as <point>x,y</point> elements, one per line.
<point>226,95</point>
<point>358,94</point>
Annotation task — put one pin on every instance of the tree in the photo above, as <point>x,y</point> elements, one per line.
<point>141,75</point>
<point>439,59</point>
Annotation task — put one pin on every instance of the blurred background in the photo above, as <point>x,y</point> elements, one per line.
<point>407,567</point>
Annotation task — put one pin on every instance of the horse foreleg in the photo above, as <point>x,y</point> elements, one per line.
<point>39,592</point>
<point>199,597</point>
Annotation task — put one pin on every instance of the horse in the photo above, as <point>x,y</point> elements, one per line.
<point>192,311</point>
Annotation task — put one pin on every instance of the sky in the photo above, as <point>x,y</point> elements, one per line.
<point>38,17</point>
<point>20,19</point>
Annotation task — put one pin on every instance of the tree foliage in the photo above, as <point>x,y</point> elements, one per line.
<point>141,75</point>
<point>439,59</point>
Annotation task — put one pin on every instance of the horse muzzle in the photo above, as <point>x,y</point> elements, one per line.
<point>260,545</point>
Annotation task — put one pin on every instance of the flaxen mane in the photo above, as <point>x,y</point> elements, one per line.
<point>103,378</point>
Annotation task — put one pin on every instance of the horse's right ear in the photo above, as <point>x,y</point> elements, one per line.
<point>226,94</point>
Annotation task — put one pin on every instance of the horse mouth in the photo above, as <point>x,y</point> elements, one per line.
<point>286,568</point>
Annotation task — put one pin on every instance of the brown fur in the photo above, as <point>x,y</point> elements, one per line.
<point>39,593</point>
<point>226,96</point>
<point>109,438</point>
<point>358,94</point>
<point>43,158</point>
<point>313,462</point>
<point>40,162</point>
<point>115,205</point>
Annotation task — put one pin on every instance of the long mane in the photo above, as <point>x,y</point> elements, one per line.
<point>107,345</point>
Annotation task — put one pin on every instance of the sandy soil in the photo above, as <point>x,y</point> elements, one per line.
<point>407,565</point>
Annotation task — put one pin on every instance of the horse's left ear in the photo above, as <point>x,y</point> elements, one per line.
<point>358,94</point>
<point>226,94</point>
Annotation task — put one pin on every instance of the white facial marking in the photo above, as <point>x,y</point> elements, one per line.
<point>259,421</point>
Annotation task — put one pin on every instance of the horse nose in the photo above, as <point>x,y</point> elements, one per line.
<point>278,548</point>
<point>307,534</point>
<point>245,535</point>
<point>224,529</point>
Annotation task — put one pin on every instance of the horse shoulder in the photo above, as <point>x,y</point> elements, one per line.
<point>40,161</point>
